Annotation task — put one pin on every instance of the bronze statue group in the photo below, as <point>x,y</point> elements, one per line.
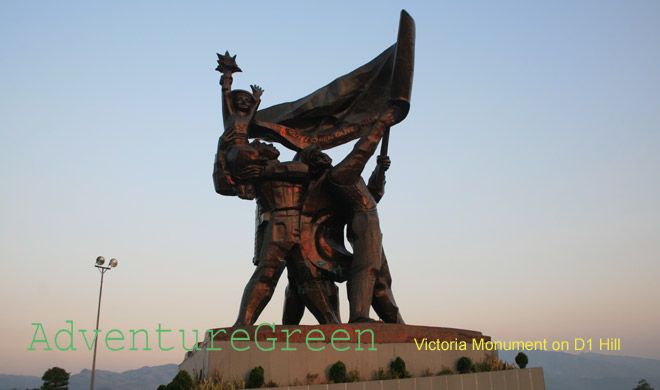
<point>304,206</point>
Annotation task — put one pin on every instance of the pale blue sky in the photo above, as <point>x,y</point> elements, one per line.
<point>522,199</point>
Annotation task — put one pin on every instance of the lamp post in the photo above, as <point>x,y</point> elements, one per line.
<point>99,265</point>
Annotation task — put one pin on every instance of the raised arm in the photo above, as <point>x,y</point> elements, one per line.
<point>225,82</point>
<point>376,184</point>
<point>348,171</point>
<point>257,91</point>
<point>227,66</point>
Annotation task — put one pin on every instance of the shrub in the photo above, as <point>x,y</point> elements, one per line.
<point>310,379</point>
<point>338,372</point>
<point>256,378</point>
<point>239,383</point>
<point>398,368</point>
<point>382,375</point>
<point>483,366</point>
<point>182,381</point>
<point>643,385</point>
<point>353,376</point>
<point>272,384</point>
<point>521,360</point>
<point>464,365</point>
<point>446,371</point>
<point>492,363</point>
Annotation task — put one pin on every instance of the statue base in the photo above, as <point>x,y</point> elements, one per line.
<point>303,355</point>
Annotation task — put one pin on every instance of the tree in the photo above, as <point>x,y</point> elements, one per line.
<point>464,365</point>
<point>643,385</point>
<point>338,372</point>
<point>256,378</point>
<point>521,360</point>
<point>398,368</point>
<point>55,379</point>
<point>182,381</point>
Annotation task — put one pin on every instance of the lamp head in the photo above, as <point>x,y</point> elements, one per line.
<point>100,260</point>
<point>113,263</point>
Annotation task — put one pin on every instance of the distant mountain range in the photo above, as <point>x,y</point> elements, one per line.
<point>563,371</point>
<point>145,378</point>
<point>591,371</point>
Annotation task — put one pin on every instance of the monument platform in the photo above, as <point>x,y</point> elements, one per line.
<point>289,355</point>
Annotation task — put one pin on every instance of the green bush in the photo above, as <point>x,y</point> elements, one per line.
<point>398,368</point>
<point>338,372</point>
<point>256,378</point>
<point>182,381</point>
<point>483,366</point>
<point>521,360</point>
<point>643,385</point>
<point>310,379</point>
<point>353,376</point>
<point>446,371</point>
<point>383,375</point>
<point>464,365</point>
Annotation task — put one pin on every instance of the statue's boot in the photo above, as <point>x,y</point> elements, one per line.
<point>383,301</point>
<point>360,293</point>
<point>294,307</point>
<point>385,306</point>
<point>256,296</point>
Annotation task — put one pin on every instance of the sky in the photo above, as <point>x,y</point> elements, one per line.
<point>522,201</point>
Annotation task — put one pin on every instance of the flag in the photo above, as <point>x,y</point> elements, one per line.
<point>347,107</point>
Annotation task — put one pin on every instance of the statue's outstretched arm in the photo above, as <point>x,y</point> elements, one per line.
<point>225,82</point>
<point>376,184</point>
<point>348,171</point>
<point>257,91</point>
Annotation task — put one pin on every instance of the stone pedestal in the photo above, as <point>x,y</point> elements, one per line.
<point>290,355</point>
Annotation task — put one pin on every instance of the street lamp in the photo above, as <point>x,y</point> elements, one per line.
<point>99,264</point>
